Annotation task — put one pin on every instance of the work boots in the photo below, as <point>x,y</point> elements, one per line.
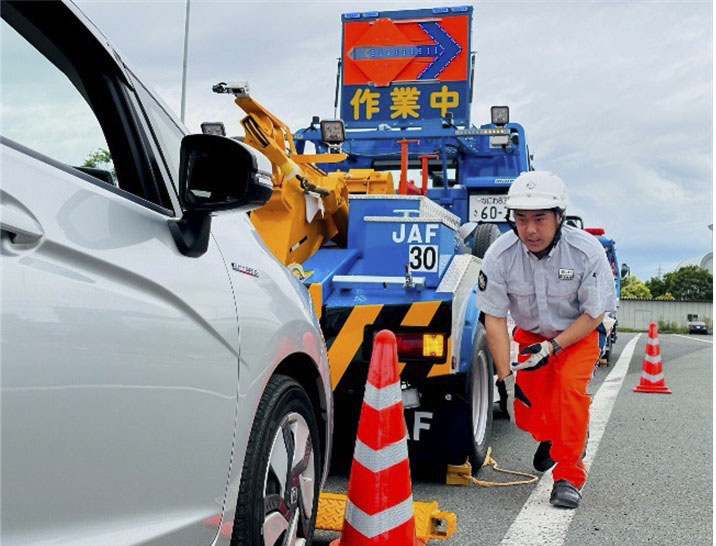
<point>542,462</point>
<point>564,495</point>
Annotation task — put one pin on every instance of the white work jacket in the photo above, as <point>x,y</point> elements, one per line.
<point>545,296</point>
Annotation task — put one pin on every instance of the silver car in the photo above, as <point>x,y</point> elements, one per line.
<point>164,378</point>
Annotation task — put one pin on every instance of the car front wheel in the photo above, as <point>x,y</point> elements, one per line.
<point>280,480</point>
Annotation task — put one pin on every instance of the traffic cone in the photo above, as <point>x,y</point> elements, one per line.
<point>652,372</point>
<point>379,510</point>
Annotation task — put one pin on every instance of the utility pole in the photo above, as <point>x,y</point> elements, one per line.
<point>186,49</point>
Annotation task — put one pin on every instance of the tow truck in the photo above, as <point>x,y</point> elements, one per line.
<point>371,259</point>
<point>608,328</point>
<point>465,169</point>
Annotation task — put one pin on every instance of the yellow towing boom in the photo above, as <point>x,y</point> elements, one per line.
<point>308,206</point>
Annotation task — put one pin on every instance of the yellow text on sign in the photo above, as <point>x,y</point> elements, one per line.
<point>405,102</point>
<point>444,99</point>
<point>367,97</point>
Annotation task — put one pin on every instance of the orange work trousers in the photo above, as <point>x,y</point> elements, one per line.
<point>552,403</point>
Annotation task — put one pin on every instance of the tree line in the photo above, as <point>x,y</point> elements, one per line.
<point>689,283</point>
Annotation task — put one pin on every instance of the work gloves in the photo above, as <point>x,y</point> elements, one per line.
<point>532,357</point>
<point>506,388</point>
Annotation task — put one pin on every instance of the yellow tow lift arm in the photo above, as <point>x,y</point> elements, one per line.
<point>308,206</point>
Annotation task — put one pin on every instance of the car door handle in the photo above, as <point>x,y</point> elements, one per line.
<point>22,228</point>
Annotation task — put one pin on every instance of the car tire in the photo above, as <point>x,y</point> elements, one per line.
<point>480,395</point>
<point>485,235</point>
<point>278,495</point>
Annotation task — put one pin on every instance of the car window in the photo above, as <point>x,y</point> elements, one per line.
<point>42,109</point>
<point>65,98</point>
<point>167,133</point>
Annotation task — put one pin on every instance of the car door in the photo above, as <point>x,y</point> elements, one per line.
<point>119,354</point>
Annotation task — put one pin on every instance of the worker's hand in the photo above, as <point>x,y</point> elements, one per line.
<point>537,356</point>
<point>506,388</point>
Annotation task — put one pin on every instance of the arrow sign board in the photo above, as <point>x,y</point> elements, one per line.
<point>406,68</point>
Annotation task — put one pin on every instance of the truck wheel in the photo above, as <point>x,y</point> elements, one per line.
<point>485,235</point>
<point>480,395</point>
<point>278,495</point>
<point>608,349</point>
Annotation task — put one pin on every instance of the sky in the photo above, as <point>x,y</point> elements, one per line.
<point>615,97</point>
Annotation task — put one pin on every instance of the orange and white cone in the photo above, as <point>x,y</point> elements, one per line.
<point>379,510</point>
<point>652,373</point>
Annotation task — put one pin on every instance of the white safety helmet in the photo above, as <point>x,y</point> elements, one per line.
<point>537,190</point>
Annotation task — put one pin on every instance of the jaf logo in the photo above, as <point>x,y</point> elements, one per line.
<point>422,256</point>
<point>400,67</point>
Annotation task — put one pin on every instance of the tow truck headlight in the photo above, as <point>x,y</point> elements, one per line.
<point>500,115</point>
<point>332,131</point>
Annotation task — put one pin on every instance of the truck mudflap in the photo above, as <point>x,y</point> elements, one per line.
<point>439,430</point>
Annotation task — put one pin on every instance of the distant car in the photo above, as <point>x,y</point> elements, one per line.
<point>164,377</point>
<point>698,327</point>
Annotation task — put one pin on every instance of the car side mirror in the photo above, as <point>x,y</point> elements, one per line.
<point>216,174</point>
<point>625,271</point>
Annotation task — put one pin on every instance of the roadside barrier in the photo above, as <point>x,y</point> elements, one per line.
<point>652,373</point>
<point>379,509</point>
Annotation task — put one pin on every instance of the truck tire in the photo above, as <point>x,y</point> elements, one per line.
<point>278,495</point>
<point>480,395</point>
<point>608,348</point>
<point>485,235</point>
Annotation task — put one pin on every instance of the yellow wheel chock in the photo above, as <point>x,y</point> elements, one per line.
<point>430,522</point>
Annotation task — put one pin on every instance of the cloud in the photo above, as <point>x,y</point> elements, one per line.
<point>615,97</point>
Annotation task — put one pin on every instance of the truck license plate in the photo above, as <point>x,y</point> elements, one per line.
<point>488,208</point>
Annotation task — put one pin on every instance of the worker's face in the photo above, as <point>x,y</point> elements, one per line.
<point>536,228</point>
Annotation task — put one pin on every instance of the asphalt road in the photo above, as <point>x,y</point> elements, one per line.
<point>651,477</point>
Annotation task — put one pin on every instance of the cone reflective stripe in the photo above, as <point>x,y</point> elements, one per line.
<point>381,459</point>
<point>652,359</point>
<point>379,510</point>
<point>652,373</point>
<point>652,378</point>
<point>376,524</point>
<point>382,398</point>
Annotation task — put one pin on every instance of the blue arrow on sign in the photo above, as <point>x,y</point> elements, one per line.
<point>448,50</point>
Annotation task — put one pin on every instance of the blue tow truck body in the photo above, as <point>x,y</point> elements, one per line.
<point>404,266</point>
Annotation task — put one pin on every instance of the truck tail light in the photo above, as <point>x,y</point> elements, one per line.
<point>415,345</point>
<point>595,230</point>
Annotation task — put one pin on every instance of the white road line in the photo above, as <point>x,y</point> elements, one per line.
<point>539,522</point>
<point>694,338</point>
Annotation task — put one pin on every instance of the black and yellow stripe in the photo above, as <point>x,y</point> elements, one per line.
<point>345,328</point>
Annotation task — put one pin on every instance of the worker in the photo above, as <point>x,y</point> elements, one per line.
<point>556,283</point>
